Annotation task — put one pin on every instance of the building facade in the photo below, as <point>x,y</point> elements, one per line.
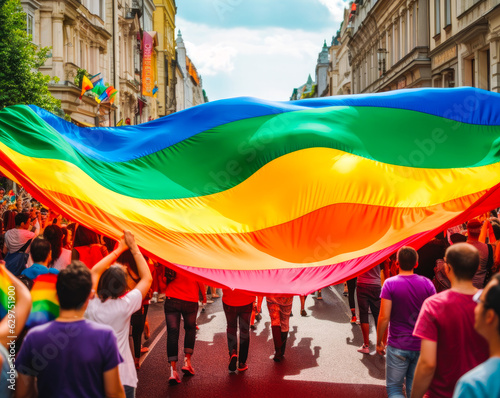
<point>322,67</point>
<point>465,43</point>
<point>389,45</point>
<point>320,87</point>
<point>102,37</point>
<point>164,24</point>
<point>80,39</point>
<point>418,43</point>
<point>333,66</point>
<point>340,61</point>
<point>134,19</point>
<point>189,85</point>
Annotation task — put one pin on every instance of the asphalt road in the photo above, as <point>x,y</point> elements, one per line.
<point>321,357</point>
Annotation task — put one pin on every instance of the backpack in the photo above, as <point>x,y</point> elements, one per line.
<point>16,262</point>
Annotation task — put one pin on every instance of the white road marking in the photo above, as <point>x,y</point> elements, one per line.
<point>160,335</point>
<point>341,298</point>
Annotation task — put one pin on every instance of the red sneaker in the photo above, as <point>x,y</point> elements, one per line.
<point>232,362</point>
<point>242,367</point>
<point>174,379</point>
<point>188,370</point>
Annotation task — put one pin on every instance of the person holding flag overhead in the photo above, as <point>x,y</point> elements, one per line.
<point>115,302</point>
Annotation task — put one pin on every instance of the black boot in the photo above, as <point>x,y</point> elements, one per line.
<point>284,338</point>
<point>277,343</point>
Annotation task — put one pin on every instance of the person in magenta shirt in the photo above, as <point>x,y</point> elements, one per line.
<point>483,380</point>
<point>182,295</point>
<point>237,305</point>
<point>450,345</point>
<point>402,298</point>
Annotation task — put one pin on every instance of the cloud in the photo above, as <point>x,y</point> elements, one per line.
<point>311,15</point>
<point>266,63</point>
<point>261,48</point>
<point>336,8</point>
<point>212,59</point>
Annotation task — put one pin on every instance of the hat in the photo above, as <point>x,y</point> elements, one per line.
<point>474,226</point>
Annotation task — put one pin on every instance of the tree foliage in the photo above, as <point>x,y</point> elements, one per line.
<point>20,80</point>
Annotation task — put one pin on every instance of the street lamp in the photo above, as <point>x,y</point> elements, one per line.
<point>381,56</point>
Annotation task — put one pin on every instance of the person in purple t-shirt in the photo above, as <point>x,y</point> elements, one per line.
<point>71,356</point>
<point>402,298</point>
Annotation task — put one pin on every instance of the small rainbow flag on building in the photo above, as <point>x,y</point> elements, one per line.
<point>86,85</point>
<point>45,302</point>
<point>4,292</point>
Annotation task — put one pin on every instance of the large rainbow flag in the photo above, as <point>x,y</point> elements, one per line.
<point>273,197</point>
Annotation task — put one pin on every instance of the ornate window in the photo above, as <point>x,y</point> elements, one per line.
<point>30,23</point>
<point>447,12</point>
<point>437,17</point>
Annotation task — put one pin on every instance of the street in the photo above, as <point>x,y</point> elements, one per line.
<point>321,357</point>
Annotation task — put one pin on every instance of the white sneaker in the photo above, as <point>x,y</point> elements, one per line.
<point>154,299</point>
<point>365,349</point>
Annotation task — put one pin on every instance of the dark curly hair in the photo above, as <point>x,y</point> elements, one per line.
<point>54,234</point>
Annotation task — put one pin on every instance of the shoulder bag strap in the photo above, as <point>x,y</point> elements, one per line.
<point>25,247</point>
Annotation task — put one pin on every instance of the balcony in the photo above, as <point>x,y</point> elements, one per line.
<point>134,9</point>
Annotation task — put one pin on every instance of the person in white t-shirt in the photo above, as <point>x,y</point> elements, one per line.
<point>16,238</point>
<point>114,306</point>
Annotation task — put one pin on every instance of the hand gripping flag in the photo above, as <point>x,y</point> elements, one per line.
<point>272,197</point>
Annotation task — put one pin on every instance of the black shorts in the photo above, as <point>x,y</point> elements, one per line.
<point>368,297</point>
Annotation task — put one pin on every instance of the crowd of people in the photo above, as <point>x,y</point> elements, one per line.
<point>436,311</point>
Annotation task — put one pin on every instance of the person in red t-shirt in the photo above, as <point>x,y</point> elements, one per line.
<point>181,299</point>
<point>450,345</point>
<point>237,305</point>
<point>87,247</point>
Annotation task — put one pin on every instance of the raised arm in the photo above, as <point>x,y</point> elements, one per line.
<point>142,267</point>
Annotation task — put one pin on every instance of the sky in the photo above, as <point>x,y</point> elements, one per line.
<point>258,48</point>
